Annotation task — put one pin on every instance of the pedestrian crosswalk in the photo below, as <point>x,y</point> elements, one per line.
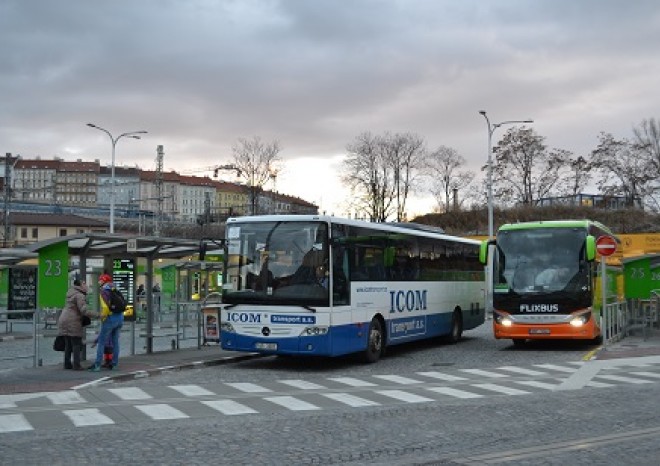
<point>99,406</point>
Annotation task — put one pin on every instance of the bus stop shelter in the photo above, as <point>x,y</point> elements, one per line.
<point>54,258</point>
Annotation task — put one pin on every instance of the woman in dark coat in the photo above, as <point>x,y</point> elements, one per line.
<point>69,324</point>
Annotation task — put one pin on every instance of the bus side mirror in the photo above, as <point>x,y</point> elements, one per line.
<point>483,252</point>
<point>591,248</point>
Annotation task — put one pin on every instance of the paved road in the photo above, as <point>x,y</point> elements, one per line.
<point>476,402</point>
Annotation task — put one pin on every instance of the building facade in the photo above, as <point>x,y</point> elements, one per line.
<point>166,195</point>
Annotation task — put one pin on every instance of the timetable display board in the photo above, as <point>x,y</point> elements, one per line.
<point>123,276</point>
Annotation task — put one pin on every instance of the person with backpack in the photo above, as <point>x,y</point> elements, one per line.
<point>112,319</point>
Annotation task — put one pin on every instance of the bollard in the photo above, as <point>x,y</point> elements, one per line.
<point>173,344</point>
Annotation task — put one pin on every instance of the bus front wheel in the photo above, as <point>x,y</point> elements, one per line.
<point>456,328</point>
<point>374,342</point>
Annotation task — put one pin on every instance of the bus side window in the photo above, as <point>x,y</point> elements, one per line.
<point>340,295</point>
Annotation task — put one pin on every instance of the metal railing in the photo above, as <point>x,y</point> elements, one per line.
<point>9,324</point>
<point>183,322</point>
<point>620,319</point>
<point>614,321</point>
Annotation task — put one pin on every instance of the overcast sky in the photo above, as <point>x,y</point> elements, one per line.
<point>198,75</point>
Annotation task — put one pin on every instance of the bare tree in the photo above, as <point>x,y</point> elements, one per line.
<point>446,179</point>
<point>257,163</point>
<point>624,169</point>
<point>525,171</point>
<point>647,140</point>
<point>380,171</point>
<point>647,137</point>
<point>405,153</point>
<point>580,175</point>
<point>366,173</point>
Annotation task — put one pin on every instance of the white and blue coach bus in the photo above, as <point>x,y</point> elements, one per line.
<point>325,286</point>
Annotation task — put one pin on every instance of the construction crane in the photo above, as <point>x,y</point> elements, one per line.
<point>214,168</point>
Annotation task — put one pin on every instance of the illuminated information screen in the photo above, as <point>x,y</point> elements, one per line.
<point>123,276</point>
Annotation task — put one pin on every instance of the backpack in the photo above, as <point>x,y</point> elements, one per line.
<point>116,303</point>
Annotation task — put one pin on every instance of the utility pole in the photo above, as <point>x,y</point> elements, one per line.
<point>159,189</point>
<point>9,167</point>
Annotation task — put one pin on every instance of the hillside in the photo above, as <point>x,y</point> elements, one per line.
<point>475,222</point>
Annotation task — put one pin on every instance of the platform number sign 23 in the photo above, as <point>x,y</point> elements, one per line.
<point>53,278</point>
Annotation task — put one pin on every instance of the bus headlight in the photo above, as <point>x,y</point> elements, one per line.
<point>226,327</point>
<point>580,320</point>
<point>314,331</point>
<point>502,319</point>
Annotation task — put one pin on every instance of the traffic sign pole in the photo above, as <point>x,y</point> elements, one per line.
<point>603,286</point>
<point>606,246</point>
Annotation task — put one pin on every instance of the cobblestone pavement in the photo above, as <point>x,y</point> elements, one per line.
<point>335,420</point>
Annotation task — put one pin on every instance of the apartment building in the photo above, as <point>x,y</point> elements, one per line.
<point>127,187</point>
<point>35,180</point>
<point>171,195</point>
<point>56,181</point>
<point>197,196</point>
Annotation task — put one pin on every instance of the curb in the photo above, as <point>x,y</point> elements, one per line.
<point>15,337</point>
<point>164,369</point>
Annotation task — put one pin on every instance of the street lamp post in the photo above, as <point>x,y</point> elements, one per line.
<point>491,130</point>
<point>131,134</point>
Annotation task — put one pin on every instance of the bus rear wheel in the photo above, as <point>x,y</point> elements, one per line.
<point>375,343</point>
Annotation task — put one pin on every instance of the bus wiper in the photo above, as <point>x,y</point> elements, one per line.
<point>229,306</point>
<point>311,309</point>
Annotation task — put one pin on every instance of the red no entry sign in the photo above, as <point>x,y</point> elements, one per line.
<point>605,245</point>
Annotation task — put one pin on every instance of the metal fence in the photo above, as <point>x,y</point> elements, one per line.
<point>31,314</point>
<point>181,323</point>
<point>620,319</point>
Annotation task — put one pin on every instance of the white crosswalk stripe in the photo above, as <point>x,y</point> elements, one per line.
<point>353,382</point>
<point>536,384</point>
<point>653,375</point>
<point>130,393</point>
<point>404,396</point>
<point>68,397</point>
<point>14,423</point>
<point>161,411</point>
<point>555,367</point>
<point>191,390</point>
<point>292,403</point>
<point>9,401</point>
<point>302,384</point>
<point>617,378</point>
<point>520,370</point>
<point>500,389</point>
<point>441,376</point>
<point>362,392</point>
<point>454,392</point>
<point>595,384</point>
<point>249,387</point>
<point>350,400</point>
<point>398,379</point>
<point>229,407</point>
<point>87,417</point>
<point>495,375</point>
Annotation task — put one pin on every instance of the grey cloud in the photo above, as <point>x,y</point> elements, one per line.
<point>314,74</point>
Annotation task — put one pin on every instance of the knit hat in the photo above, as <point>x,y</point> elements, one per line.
<point>105,278</point>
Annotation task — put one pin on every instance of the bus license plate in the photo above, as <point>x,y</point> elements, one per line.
<point>539,331</point>
<point>266,346</point>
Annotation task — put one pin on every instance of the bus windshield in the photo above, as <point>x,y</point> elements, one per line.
<point>537,261</point>
<point>277,262</point>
